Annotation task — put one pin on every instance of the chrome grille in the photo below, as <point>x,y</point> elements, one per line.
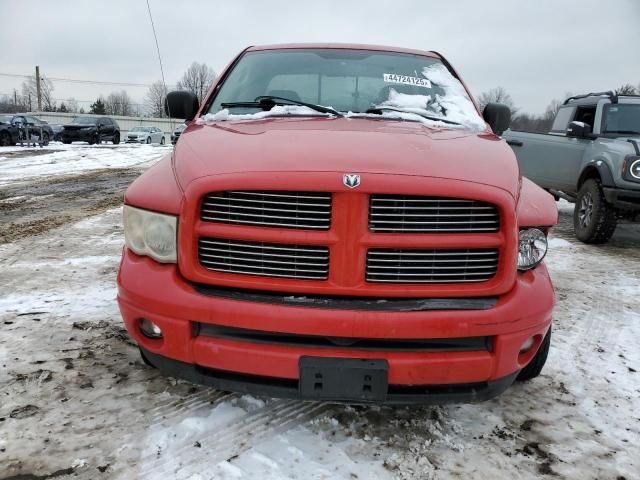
<point>404,213</point>
<point>304,210</point>
<point>431,266</point>
<point>264,259</point>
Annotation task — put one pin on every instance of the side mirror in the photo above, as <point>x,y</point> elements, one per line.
<point>181,104</point>
<point>498,116</point>
<point>578,130</point>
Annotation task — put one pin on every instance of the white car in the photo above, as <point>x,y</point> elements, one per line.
<point>145,135</point>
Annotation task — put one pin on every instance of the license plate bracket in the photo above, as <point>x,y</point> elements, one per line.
<point>343,379</point>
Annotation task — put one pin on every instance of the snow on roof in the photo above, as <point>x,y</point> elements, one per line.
<point>277,110</point>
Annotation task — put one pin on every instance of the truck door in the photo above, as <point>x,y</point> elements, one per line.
<point>563,155</point>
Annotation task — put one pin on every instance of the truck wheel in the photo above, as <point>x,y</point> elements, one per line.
<point>594,220</point>
<point>533,369</point>
<point>5,139</point>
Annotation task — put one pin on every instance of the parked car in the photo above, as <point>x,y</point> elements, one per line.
<point>362,237</point>
<point>9,133</point>
<point>143,134</point>
<point>176,133</point>
<point>591,157</point>
<point>16,128</point>
<point>92,130</point>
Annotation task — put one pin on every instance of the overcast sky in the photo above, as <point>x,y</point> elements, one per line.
<point>537,50</point>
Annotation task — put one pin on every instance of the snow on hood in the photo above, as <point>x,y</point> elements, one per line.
<point>277,110</point>
<point>455,105</point>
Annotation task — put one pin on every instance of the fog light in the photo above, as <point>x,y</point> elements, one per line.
<point>526,346</point>
<point>150,329</point>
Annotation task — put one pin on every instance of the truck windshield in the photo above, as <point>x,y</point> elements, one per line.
<point>622,118</point>
<point>367,83</point>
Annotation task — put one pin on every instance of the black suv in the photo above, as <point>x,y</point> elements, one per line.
<point>92,130</point>
<point>13,129</point>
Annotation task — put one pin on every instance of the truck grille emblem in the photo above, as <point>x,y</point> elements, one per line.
<point>351,180</point>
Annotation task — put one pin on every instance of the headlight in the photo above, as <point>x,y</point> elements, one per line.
<point>533,248</point>
<point>150,233</point>
<point>631,168</point>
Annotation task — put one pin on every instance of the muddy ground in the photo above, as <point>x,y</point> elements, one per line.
<point>37,206</point>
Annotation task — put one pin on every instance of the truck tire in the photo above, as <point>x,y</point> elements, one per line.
<point>5,139</point>
<point>533,369</point>
<point>594,220</point>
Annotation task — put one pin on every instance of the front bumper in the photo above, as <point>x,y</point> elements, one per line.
<point>78,135</point>
<point>623,198</point>
<point>158,292</point>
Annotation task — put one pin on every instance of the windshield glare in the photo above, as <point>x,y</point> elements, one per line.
<point>621,118</point>
<point>140,129</point>
<point>348,81</point>
<point>85,120</point>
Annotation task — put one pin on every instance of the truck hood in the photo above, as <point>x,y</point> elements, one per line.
<point>344,145</point>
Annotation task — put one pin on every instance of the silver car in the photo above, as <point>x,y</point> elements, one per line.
<point>145,135</point>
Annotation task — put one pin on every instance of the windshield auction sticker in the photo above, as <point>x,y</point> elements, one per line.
<point>406,80</point>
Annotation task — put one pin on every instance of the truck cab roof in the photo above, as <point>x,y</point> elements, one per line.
<point>594,98</point>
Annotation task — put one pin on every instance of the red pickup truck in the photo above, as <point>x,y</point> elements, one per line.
<point>340,223</point>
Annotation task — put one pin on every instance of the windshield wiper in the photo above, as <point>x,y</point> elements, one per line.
<point>267,102</point>
<point>379,109</point>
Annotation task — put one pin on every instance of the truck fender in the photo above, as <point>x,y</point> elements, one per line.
<point>536,207</point>
<point>597,168</point>
<point>161,180</point>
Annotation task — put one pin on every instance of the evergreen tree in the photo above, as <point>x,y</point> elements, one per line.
<point>98,107</point>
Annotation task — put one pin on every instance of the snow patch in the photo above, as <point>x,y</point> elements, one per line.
<point>559,243</point>
<point>277,111</point>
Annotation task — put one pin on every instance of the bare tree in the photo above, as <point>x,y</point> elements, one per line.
<point>72,105</point>
<point>551,110</point>
<point>626,89</point>
<point>197,79</point>
<point>154,101</point>
<point>30,90</point>
<point>497,95</point>
<point>118,103</point>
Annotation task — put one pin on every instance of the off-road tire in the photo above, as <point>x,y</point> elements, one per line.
<point>116,138</point>
<point>600,217</point>
<point>533,369</point>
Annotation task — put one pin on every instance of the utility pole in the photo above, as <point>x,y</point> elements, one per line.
<point>38,88</point>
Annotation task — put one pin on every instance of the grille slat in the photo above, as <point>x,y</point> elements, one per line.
<point>415,214</point>
<point>264,259</point>
<point>209,250</point>
<point>301,210</point>
<point>431,266</point>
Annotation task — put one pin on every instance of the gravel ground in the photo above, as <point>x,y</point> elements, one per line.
<point>77,402</point>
